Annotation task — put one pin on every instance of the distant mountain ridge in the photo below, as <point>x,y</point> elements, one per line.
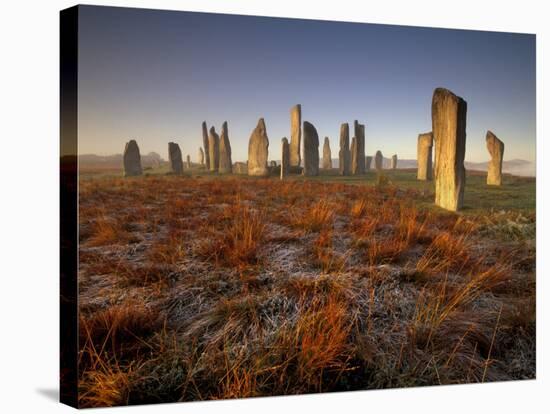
<point>514,167</point>
<point>152,159</point>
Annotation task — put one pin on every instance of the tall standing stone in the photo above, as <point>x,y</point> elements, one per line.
<point>368,162</point>
<point>359,130</point>
<point>378,161</point>
<point>188,161</point>
<point>449,132</point>
<point>424,156</point>
<point>201,157</point>
<point>327,155</point>
<point>496,149</point>
<point>295,135</point>
<point>225,151</point>
<point>285,158</point>
<point>258,150</point>
<point>175,158</point>
<point>132,159</point>
<point>214,150</point>
<point>311,150</point>
<point>205,144</point>
<point>354,155</point>
<point>393,164</point>
<point>344,155</point>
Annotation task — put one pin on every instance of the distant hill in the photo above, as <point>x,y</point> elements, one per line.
<point>514,167</point>
<point>152,159</point>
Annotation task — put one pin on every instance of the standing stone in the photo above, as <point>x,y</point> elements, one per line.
<point>449,133</point>
<point>354,155</point>
<point>201,156</point>
<point>285,158</point>
<point>393,161</point>
<point>214,150</point>
<point>240,168</point>
<point>311,150</point>
<point>344,156</point>
<point>132,159</point>
<point>258,150</point>
<point>378,161</point>
<point>175,158</point>
<point>188,161</point>
<point>273,164</point>
<point>496,149</point>
<point>225,152</point>
<point>327,155</point>
<point>424,156</point>
<point>359,130</point>
<point>368,162</point>
<point>295,135</point>
<point>206,146</point>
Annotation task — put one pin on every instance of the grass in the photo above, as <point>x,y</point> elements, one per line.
<point>204,287</point>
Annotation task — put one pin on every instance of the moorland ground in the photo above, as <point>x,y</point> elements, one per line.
<point>207,287</point>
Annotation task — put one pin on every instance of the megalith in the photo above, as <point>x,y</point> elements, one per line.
<point>378,161</point>
<point>449,133</point>
<point>424,156</point>
<point>359,130</point>
<point>368,162</point>
<point>295,135</point>
<point>175,158</point>
<point>496,149</point>
<point>240,168</point>
<point>258,150</point>
<point>344,155</point>
<point>206,146</point>
<point>285,158</point>
<point>354,155</point>
<point>393,164</point>
<point>188,161</point>
<point>214,150</point>
<point>201,156</point>
<point>132,159</point>
<point>327,155</point>
<point>311,150</point>
<point>225,151</point>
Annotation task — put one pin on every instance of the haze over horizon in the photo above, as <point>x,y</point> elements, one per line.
<point>154,76</point>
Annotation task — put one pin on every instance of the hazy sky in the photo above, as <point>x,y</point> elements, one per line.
<point>154,76</point>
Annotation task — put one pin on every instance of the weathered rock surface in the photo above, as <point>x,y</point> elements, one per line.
<point>311,150</point>
<point>327,155</point>
<point>449,133</point>
<point>496,149</point>
<point>295,135</point>
<point>189,165</point>
<point>393,164</point>
<point>225,151</point>
<point>344,155</point>
<point>258,146</point>
<point>285,158</point>
<point>424,156</point>
<point>354,155</point>
<point>201,156</point>
<point>175,158</point>
<point>378,161</point>
<point>368,162</point>
<point>132,159</point>
<point>214,150</point>
<point>359,130</point>
<point>206,146</point>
